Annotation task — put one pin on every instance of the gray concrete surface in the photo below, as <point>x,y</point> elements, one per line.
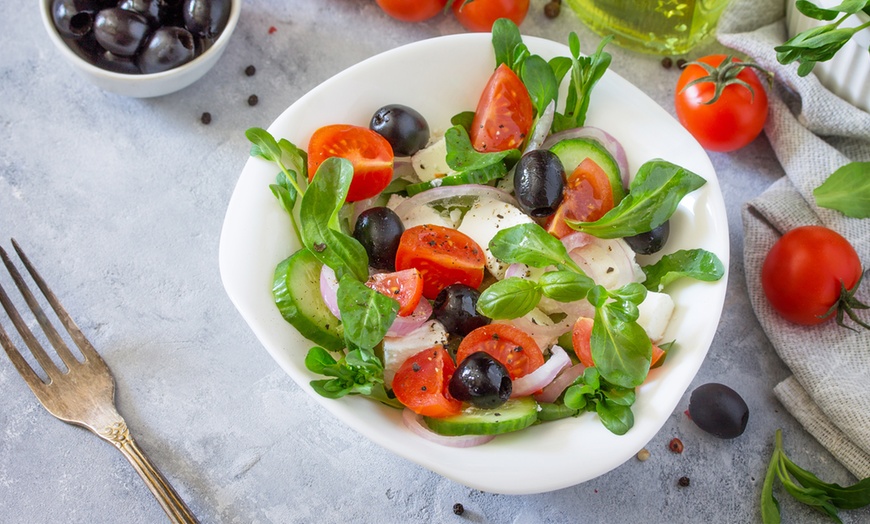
<point>120,203</point>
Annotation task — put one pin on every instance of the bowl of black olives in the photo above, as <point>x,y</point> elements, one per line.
<point>141,48</point>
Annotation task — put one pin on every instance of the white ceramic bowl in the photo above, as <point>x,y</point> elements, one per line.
<point>847,74</point>
<point>257,235</point>
<point>150,85</point>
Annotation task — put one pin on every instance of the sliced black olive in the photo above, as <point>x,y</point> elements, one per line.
<point>539,181</point>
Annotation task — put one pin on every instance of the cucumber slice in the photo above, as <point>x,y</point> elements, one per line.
<point>513,415</point>
<point>296,288</point>
<point>573,151</point>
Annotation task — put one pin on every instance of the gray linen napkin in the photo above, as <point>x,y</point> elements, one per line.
<point>812,132</point>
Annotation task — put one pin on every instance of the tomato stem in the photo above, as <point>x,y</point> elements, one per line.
<point>846,304</point>
<point>724,75</point>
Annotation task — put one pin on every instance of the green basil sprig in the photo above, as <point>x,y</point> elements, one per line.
<point>359,372</point>
<point>586,71</point>
<point>694,263</point>
<point>531,245</point>
<point>805,487</point>
<point>612,403</point>
<point>653,197</point>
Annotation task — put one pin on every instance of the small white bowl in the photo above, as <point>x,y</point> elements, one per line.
<point>847,74</point>
<point>144,85</point>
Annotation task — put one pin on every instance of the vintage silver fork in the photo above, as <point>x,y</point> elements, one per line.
<point>84,394</point>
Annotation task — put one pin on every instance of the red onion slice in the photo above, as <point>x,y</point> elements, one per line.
<point>564,379</point>
<point>429,196</point>
<point>604,138</point>
<point>544,375</point>
<point>405,325</point>
<point>414,422</point>
<point>329,289</point>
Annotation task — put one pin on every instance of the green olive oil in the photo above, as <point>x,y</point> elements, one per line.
<point>666,27</point>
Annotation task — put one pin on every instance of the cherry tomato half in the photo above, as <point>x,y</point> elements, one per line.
<point>369,152</point>
<point>803,271</point>
<point>479,15</point>
<point>404,286</point>
<point>443,256</point>
<point>732,121</point>
<point>581,339</point>
<point>421,383</point>
<point>588,196</point>
<point>412,10</point>
<point>504,113</point>
<point>513,347</point>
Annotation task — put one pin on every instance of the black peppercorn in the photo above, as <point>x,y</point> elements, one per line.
<point>250,70</point>
<point>683,482</point>
<point>252,100</point>
<point>553,8</point>
<point>205,118</point>
<point>667,62</point>
<point>458,509</point>
<point>681,63</point>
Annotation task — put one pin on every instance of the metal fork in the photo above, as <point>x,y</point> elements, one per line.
<point>83,395</point>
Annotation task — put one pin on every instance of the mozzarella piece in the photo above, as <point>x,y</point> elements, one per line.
<point>487,217</point>
<point>419,215</point>
<point>399,349</point>
<point>431,162</point>
<point>655,313</point>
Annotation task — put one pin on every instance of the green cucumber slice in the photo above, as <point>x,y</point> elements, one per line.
<point>513,415</point>
<point>296,289</point>
<point>573,151</point>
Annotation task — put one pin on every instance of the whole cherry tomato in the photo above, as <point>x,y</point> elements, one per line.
<point>722,103</point>
<point>412,10</point>
<point>479,15</point>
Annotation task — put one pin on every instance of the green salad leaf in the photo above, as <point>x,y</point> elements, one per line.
<point>847,190</point>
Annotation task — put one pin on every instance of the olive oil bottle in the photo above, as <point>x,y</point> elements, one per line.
<point>665,27</point>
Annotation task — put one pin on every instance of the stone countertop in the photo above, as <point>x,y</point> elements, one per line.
<point>120,203</point>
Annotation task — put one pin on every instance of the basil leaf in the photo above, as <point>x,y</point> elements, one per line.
<point>565,286</point>
<point>319,217</point>
<point>530,244</point>
<point>506,39</point>
<point>549,412</point>
<point>264,144</point>
<point>620,396</point>
<point>365,313</point>
<point>694,263</point>
<point>847,190</point>
<point>461,156</point>
<point>318,360</point>
<point>463,120</point>
<point>592,377</point>
<point>617,418</point>
<point>813,11</point>
<point>560,65</point>
<point>575,398</point>
<point>285,193</point>
<point>509,298</point>
<point>653,197</point>
<point>540,82</point>
<point>621,350</point>
<point>632,292</point>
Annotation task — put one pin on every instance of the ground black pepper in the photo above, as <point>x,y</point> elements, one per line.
<point>205,118</point>
<point>252,100</point>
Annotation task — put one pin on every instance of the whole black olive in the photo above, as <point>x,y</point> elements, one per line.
<point>206,17</point>
<point>168,47</point>
<point>481,380</point>
<point>404,128</point>
<point>120,31</point>
<point>150,9</point>
<point>379,230</point>
<point>539,181</point>
<point>651,241</point>
<point>455,308</point>
<point>74,18</point>
<point>718,410</point>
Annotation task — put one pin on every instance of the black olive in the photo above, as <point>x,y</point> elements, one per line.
<point>74,18</point>
<point>150,9</point>
<point>481,380</point>
<point>119,31</point>
<point>168,47</point>
<point>379,230</point>
<point>404,128</point>
<point>539,181</point>
<point>651,241</point>
<point>206,17</point>
<point>718,410</point>
<point>455,308</point>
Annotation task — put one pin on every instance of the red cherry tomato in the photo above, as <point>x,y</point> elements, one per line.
<point>731,121</point>
<point>581,339</point>
<point>479,15</point>
<point>803,273</point>
<point>442,255</point>
<point>421,383</point>
<point>511,346</point>
<point>412,10</point>
<point>404,286</point>
<point>504,113</point>
<point>369,152</point>
<point>587,197</point>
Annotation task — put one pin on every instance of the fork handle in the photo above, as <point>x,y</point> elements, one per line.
<point>175,508</point>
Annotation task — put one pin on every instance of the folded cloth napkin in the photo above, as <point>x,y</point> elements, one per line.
<point>813,132</point>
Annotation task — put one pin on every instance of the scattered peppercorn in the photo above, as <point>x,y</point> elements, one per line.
<point>252,100</point>
<point>681,63</point>
<point>676,445</point>
<point>643,455</point>
<point>205,118</point>
<point>458,509</point>
<point>683,482</point>
<point>553,8</point>
<point>250,70</point>
<point>667,62</point>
